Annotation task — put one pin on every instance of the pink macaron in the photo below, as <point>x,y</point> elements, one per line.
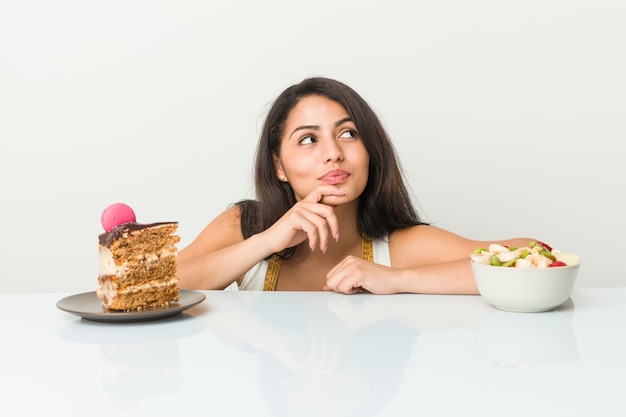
<point>115,215</point>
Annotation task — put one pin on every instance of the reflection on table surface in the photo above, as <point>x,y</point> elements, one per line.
<point>323,354</point>
<point>340,354</point>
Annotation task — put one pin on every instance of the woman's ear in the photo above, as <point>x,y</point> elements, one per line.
<point>278,168</point>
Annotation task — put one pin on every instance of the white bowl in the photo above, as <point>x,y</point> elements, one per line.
<point>527,289</point>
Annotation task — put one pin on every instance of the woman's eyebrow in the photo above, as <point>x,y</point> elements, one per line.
<point>315,127</point>
<point>305,127</point>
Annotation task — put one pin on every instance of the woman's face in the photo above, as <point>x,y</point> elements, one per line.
<point>321,146</point>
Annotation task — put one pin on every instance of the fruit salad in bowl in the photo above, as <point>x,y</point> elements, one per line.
<point>535,255</point>
<point>532,278</point>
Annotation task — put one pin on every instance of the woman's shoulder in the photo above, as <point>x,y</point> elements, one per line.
<point>231,217</point>
<point>225,226</point>
<point>410,233</point>
<point>224,230</point>
<point>239,211</point>
<point>234,219</point>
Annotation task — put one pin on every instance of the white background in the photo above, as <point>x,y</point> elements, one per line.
<point>509,117</point>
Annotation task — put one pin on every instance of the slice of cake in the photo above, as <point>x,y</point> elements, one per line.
<point>137,261</point>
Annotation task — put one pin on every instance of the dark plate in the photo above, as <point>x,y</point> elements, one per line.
<point>88,306</point>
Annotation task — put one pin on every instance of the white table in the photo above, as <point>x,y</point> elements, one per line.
<point>319,354</point>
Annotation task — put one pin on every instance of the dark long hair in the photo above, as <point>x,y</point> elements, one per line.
<point>384,206</point>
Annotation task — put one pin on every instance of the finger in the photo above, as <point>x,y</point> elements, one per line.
<point>346,276</point>
<point>347,287</point>
<point>328,213</point>
<point>310,224</point>
<point>324,219</point>
<point>316,226</point>
<point>336,276</point>
<point>322,191</point>
<point>349,284</point>
<point>332,224</point>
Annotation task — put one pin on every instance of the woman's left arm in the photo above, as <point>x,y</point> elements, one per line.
<point>424,259</point>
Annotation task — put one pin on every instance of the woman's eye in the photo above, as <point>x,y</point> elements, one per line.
<point>349,134</point>
<point>307,140</point>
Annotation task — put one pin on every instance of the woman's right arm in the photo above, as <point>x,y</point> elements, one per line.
<point>220,255</point>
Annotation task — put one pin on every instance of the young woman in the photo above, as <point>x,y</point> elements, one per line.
<point>332,211</point>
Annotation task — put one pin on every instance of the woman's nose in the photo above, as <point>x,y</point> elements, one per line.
<point>332,152</point>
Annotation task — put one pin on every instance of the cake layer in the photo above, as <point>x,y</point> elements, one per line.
<point>137,297</point>
<point>138,270</point>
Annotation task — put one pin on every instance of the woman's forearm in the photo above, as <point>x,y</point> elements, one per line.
<point>453,277</point>
<point>219,269</point>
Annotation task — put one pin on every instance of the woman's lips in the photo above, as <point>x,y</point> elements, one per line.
<point>336,176</point>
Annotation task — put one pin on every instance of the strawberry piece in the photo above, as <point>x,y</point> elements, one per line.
<point>557,263</point>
